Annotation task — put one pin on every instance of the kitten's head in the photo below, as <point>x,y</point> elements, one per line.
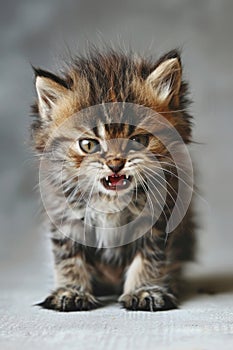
<point>104,119</point>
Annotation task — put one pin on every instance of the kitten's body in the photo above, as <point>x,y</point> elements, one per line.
<point>143,268</point>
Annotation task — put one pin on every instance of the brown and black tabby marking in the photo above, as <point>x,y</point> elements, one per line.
<point>146,270</point>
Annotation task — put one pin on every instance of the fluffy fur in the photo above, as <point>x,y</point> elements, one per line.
<point>145,271</point>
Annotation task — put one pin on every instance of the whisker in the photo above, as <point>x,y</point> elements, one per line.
<point>87,204</point>
<point>141,180</point>
<point>148,172</point>
<point>169,194</point>
<point>173,174</point>
<point>162,211</point>
<point>169,185</point>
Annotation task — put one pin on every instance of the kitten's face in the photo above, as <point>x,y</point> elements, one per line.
<point>111,162</point>
<point>119,161</point>
<point>112,158</point>
<point>111,148</point>
<point>106,158</point>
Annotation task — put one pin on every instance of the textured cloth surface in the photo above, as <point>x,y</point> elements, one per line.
<point>202,323</point>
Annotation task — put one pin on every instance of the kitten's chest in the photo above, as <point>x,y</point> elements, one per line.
<point>107,214</point>
<point>111,223</point>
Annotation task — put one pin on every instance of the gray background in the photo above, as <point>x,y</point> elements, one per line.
<point>37,32</point>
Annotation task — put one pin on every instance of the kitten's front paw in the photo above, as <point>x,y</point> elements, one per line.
<point>69,299</point>
<point>149,299</point>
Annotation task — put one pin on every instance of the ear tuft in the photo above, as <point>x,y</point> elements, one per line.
<point>44,73</point>
<point>166,79</point>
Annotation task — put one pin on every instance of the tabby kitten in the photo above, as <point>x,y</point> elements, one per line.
<point>111,180</point>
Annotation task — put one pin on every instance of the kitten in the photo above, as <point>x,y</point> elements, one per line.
<point>111,179</point>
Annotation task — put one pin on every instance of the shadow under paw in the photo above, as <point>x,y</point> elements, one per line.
<point>148,299</point>
<point>68,299</point>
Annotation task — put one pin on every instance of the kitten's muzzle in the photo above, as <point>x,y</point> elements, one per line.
<point>116,164</point>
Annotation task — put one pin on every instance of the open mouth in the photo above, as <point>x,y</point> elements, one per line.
<point>116,182</point>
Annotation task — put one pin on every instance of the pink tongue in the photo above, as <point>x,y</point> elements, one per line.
<point>116,180</point>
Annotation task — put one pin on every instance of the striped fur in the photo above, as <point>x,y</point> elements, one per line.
<point>145,270</point>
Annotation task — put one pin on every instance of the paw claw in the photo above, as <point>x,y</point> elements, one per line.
<point>68,299</point>
<point>148,299</point>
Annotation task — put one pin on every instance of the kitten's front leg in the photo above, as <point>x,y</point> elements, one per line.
<point>145,286</point>
<point>73,279</point>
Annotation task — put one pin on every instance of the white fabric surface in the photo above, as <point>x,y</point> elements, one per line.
<point>204,320</point>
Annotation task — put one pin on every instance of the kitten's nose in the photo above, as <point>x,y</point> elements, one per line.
<point>116,164</point>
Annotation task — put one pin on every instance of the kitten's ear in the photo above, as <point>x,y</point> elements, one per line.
<point>49,89</point>
<point>166,80</point>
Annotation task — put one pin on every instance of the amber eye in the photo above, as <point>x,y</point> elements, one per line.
<point>89,145</point>
<point>140,141</point>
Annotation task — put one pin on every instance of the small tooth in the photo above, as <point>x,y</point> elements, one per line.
<point>124,182</point>
<point>127,177</point>
<point>109,183</point>
<point>106,178</point>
